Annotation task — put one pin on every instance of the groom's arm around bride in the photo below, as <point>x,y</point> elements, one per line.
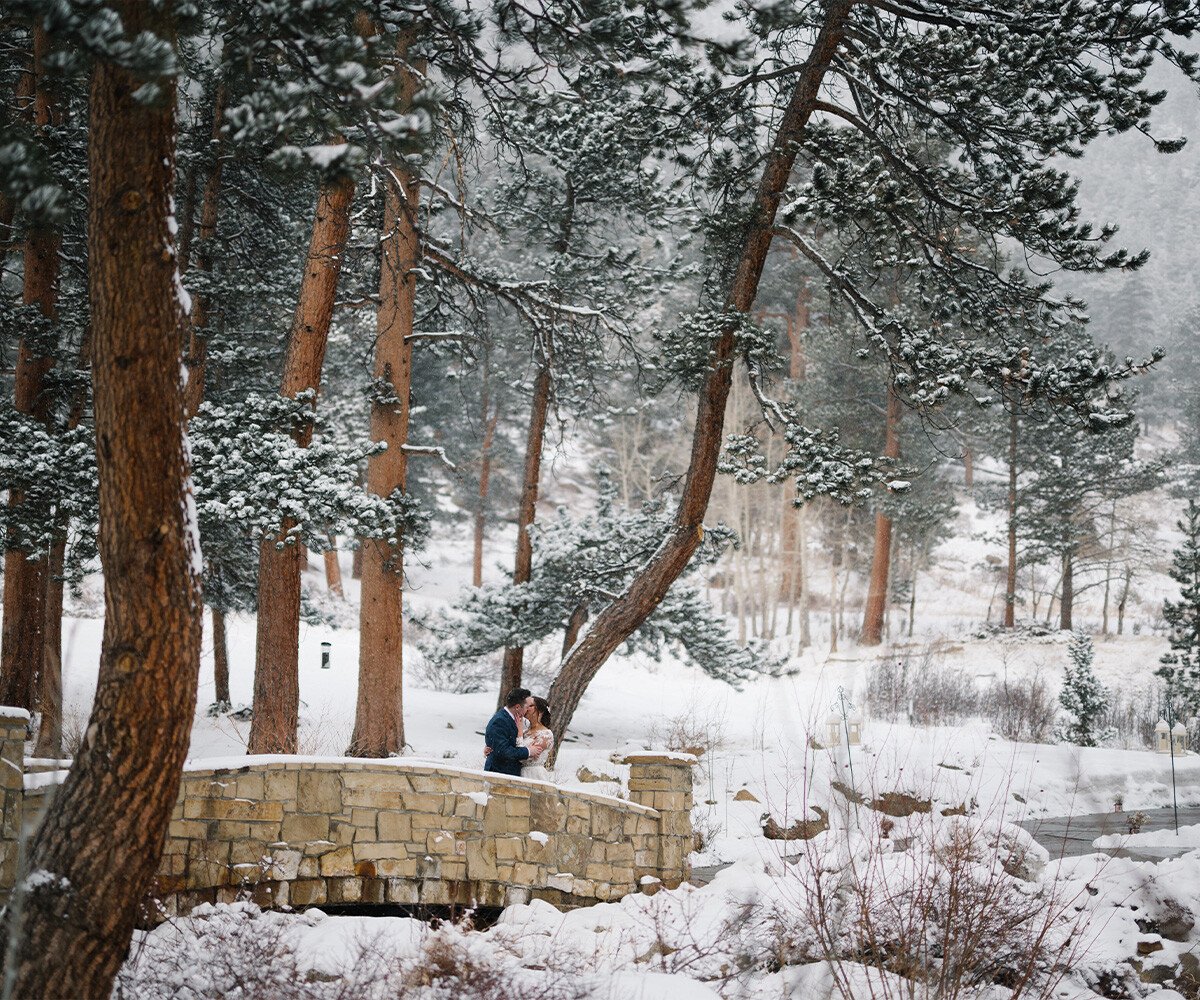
<point>501,735</point>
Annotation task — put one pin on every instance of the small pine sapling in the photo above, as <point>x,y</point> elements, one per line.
<point>1083,697</point>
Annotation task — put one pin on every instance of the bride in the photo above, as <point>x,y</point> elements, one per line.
<point>539,740</point>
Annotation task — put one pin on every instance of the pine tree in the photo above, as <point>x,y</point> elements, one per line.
<point>1083,697</point>
<point>1181,666</point>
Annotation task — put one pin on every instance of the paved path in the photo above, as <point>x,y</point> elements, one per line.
<point>1072,836</point>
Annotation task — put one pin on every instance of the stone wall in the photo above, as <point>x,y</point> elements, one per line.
<point>351,831</point>
<point>13,725</point>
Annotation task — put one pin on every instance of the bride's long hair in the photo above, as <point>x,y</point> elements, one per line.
<point>543,708</point>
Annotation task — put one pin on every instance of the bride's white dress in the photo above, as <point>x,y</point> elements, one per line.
<point>541,746</point>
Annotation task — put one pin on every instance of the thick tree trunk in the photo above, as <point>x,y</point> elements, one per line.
<point>621,617</point>
<point>220,657</point>
<point>49,735</point>
<point>282,558</point>
<point>881,561</point>
<point>575,625</point>
<point>797,324</point>
<point>1010,583</point>
<point>356,564</point>
<point>196,360</point>
<point>333,571</point>
<point>379,714</point>
<point>514,656</point>
<point>1066,604</point>
<point>110,815</point>
<point>21,638</point>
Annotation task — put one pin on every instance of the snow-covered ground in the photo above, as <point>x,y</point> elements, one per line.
<point>753,932</point>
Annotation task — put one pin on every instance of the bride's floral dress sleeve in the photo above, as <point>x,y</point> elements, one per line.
<point>539,743</point>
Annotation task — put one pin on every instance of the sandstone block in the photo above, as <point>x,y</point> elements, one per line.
<point>338,862</point>
<point>402,890</point>
<point>375,851</point>
<point>187,829</point>
<point>393,825</point>
<point>429,803</point>
<point>280,785</point>
<point>249,786</point>
<point>318,791</point>
<point>307,892</point>
<point>299,828</point>
<point>344,890</point>
<point>232,809</point>
<point>481,859</point>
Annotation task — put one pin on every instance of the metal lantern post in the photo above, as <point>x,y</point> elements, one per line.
<point>325,648</point>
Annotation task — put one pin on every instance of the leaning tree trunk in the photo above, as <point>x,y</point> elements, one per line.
<point>623,615</point>
<point>379,714</point>
<point>70,930</point>
<point>21,637</point>
<point>514,656</point>
<point>282,557</point>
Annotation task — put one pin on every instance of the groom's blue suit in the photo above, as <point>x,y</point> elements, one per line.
<point>501,736</point>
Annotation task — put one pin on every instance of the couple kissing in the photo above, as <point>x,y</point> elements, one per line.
<point>518,737</point>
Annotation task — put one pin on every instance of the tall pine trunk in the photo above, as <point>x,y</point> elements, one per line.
<point>881,560</point>
<point>282,558</point>
<point>379,714</point>
<point>1010,582</point>
<point>514,656</point>
<point>49,737</point>
<point>22,636</point>
<point>1066,603</point>
<point>623,615</point>
<point>196,360</point>
<point>220,657</point>
<point>110,816</point>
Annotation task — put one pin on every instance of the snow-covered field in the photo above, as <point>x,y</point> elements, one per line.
<point>784,919</point>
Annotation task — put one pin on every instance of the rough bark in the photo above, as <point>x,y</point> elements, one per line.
<point>797,324</point>
<point>1010,581</point>
<point>881,561</point>
<point>379,714</point>
<point>220,657</point>
<point>282,558</point>
<point>49,734</point>
<point>333,571</point>
<point>514,656</point>
<point>21,638</point>
<point>1066,603</point>
<point>196,360</point>
<point>619,619</point>
<point>102,838</point>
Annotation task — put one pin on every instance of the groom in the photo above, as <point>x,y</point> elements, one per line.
<point>502,732</point>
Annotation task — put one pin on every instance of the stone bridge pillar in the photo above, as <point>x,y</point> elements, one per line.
<point>13,725</point>
<point>663,781</point>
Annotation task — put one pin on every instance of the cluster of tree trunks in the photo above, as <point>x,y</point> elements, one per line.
<point>282,558</point>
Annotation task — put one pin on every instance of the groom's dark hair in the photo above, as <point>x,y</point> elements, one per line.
<point>516,696</point>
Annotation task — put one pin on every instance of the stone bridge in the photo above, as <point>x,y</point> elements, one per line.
<point>311,831</point>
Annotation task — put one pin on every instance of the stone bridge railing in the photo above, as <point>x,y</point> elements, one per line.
<point>307,831</point>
